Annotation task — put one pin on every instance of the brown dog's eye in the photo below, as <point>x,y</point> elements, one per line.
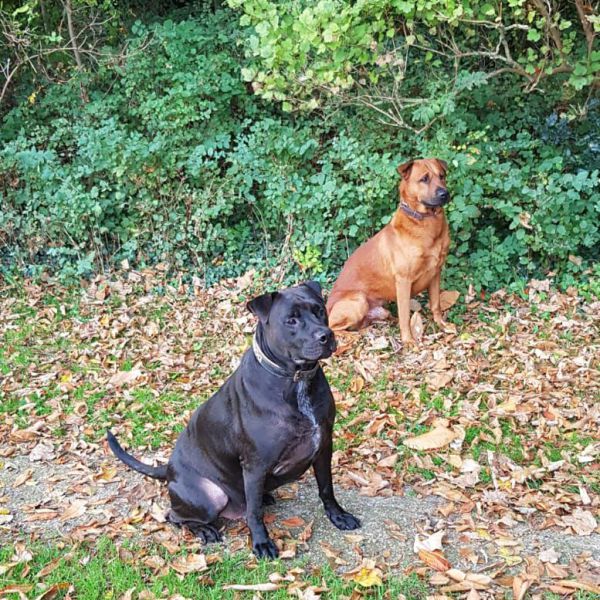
<point>424,179</point>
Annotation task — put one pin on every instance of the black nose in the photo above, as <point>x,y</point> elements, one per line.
<point>324,337</point>
<point>442,195</point>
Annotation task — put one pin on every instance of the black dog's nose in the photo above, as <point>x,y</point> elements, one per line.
<point>324,337</point>
<point>442,195</point>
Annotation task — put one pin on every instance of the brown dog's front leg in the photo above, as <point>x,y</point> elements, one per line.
<point>434,300</point>
<point>403,288</point>
<point>262,545</point>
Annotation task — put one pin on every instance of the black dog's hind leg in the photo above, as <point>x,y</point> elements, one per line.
<point>196,504</point>
<point>337,515</point>
<point>207,532</point>
<point>262,545</point>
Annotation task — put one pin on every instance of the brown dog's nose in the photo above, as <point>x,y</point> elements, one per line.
<point>442,195</point>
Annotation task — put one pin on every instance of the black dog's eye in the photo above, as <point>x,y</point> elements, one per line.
<point>292,321</point>
<point>424,179</point>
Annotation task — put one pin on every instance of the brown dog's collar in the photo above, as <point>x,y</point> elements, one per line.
<point>266,363</point>
<point>407,210</point>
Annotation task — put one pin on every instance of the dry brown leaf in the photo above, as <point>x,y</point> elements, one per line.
<point>436,560</point>
<point>520,586</point>
<point>416,326</point>
<point>436,438</point>
<point>306,533</point>
<point>549,556</point>
<point>121,378</point>
<point>73,510</point>
<point>53,590</point>
<point>440,379</point>
<point>431,543</point>
<point>448,299</point>
<point>257,587</point>
<point>580,585</point>
<point>42,451</point>
<point>22,478</point>
<point>191,563</point>
<point>294,522</point>
<point>581,521</point>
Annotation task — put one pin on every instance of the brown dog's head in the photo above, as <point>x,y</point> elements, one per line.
<point>423,185</point>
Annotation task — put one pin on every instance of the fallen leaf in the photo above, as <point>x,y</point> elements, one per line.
<point>257,587</point>
<point>448,299</point>
<point>368,577</point>
<point>189,564</point>
<point>436,438</point>
<point>438,380</point>
<point>42,451</point>
<point>582,522</point>
<point>436,560</point>
<point>580,585</point>
<point>294,522</point>
<point>431,543</point>
<point>23,477</point>
<point>416,326</point>
<point>121,378</point>
<point>53,590</point>
<point>549,556</point>
<point>520,586</point>
<point>73,510</point>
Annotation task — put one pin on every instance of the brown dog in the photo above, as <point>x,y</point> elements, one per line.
<point>403,259</point>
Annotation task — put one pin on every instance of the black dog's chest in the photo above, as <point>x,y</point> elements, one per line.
<point>305,438</point>
<point>299,452</point>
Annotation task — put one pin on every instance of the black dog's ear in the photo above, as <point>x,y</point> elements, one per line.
<point>405,168</point>
<point>261,305</point>
<point>315,286</point>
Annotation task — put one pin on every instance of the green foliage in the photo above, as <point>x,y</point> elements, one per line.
<point>169,156</point>
<point>308,53</point>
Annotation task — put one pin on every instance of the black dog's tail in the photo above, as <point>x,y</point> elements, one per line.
<point>134,463</point>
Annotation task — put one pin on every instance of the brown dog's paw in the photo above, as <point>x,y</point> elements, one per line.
<point>409,343</point>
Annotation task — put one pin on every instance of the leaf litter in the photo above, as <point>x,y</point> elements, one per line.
<point>480,444</point>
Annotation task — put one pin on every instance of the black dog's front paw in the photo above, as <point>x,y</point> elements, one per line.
<point>268,499</point>
<point>343,520</point>
<point>266,549</point>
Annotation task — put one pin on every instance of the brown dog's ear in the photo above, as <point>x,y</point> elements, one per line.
<point>443,164</point>
<point>261,305</point>
<point>405,169</point>
<point>315,286</point>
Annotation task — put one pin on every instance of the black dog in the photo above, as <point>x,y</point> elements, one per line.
<point>271,420</point>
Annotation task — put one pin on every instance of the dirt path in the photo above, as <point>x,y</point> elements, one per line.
<point>52,499</point>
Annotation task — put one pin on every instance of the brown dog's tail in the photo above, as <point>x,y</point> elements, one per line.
<point>134,463</point>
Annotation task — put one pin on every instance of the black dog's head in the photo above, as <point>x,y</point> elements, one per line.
<point>294,323</point>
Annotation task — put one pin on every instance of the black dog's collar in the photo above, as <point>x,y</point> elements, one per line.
<point>407,210</point>
<point>273,368</point>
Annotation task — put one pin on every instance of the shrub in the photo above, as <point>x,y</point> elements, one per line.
<point>170,157</point>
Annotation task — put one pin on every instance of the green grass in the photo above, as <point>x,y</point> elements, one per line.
<point>106,571</point>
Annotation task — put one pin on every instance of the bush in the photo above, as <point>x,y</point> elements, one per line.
<point>170,157</point>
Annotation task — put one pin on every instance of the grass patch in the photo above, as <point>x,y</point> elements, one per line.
<point>108,571</point>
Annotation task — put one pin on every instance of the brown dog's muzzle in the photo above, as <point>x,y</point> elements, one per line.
<point>441,198</point>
